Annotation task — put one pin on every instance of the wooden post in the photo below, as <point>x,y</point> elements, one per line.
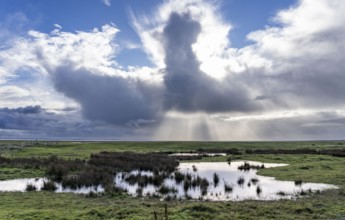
<point>166,211</point>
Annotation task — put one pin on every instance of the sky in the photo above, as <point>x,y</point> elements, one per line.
<point>208,70</point>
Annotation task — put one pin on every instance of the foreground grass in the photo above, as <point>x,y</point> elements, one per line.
<point>43,205</point>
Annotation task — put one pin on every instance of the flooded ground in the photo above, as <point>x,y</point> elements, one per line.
<point>19,185</point>
<point>216,181</point>
<point>233,183</point>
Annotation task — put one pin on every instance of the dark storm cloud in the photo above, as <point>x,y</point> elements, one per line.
<point>26,118</point>
<point>115,100</point>
<point>36,122</point>
<point>187,87</point>
<point>313,83</point>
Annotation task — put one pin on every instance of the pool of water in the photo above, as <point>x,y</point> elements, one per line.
<point>233,183</point>
<point>19,185</point>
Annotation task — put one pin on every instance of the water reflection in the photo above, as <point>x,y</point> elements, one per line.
<point>20,185</point>
<point>226,182</point>
<point>216,181</point>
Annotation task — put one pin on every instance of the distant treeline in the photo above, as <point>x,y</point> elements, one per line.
<point>331,152</point>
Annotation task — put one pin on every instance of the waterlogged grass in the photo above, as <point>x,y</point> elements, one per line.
<point>328,204</point>
<point>45,205</point>
<point>308,168</point>
<point>305,167</point>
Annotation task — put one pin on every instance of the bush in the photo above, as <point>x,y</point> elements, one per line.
<point>49,186</point>
<point>227,187</point>
<point>215,179</point>
<point>30,187</point>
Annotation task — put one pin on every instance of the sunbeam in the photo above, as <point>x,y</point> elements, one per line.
<point>200,127</point>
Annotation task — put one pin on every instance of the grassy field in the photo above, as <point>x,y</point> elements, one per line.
<point>84,149</point>
<point>42,205</point>
<point>328,204</point>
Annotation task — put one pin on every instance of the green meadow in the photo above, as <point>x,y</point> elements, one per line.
<point>318,168</point>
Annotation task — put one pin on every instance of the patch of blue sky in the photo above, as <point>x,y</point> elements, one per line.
<point>23,75</point>
<point>84,15</point>
<point>250,15</point>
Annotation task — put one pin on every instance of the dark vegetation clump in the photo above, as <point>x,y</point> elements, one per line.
<point>30,187</point>
<point>282,151</point>
<point>187,184</point>
<point>187,157</point>
<point>246,167</point>
<point>200,153</point>
<point>281,193</point>
<point>215,179</point>
<point>158,179</point>
<point>188,181</point>
<point>331,152</point>
<point>298,182</point>
<point>49,186</point>
<point>228,151</point>
<point>132,179</point>
<point>179,177</point>
<point>258,190</point>
<point>59,168</point>
<point>228,188</point>
<point>196,181</point>
<point>240,181</point>
<point>188,177</point>
<point>100,169</point>
<point>38,163</point>
<point>204,186</point>
<point>87,178</point>
<point>128,161</point>
<point>303,193</point>
<point>254,180</point>
<point>142,180</point>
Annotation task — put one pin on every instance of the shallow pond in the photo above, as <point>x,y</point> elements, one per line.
<point>19,185</point>
<point>234,183</point>
<point>216,181</point>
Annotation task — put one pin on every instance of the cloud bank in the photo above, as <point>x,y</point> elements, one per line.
<point>286,84</point>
